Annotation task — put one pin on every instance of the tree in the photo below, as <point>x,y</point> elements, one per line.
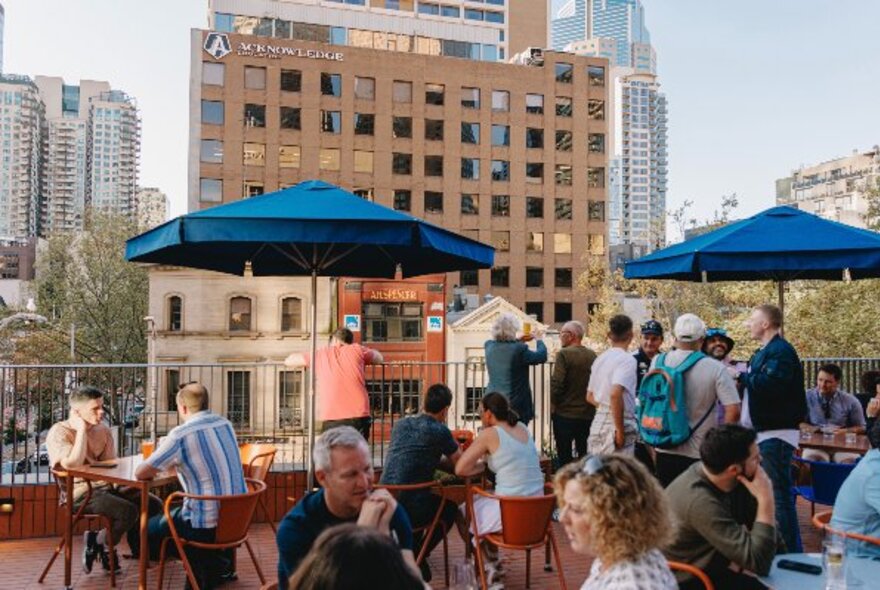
<point>872,215</point>
<point>84,281</point>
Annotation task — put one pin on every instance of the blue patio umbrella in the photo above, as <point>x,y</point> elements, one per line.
<point>779,244</point>
<point>311,229</point>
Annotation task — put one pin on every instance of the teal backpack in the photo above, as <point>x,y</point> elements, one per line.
<point>663,414</point>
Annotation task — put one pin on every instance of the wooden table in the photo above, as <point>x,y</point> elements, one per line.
<point>122,474</point>
<point>836,443</point>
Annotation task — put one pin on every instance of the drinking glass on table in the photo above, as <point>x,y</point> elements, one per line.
<point>850,437</point>
<point>806,432</point>
<point>834,560</point>
<point>828,431</point>
<point>147,448</point>
<point>463,576</point>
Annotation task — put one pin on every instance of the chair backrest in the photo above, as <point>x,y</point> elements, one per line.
<point>397,489</point>
<point>235,512</point>
<point>257,459</point>
<point>464,438</point>
<point>827,479</point>
<point>694,571</point>
<point>821,519</point>
<point>524,519</point>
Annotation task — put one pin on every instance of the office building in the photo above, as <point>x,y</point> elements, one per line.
<point>23,126</point>
<point>490,30</point>
<point>2,27</point>
<point>152,208</point>
<point>834,189</point>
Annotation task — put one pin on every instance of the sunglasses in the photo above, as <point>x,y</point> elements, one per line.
<point>593,464</point>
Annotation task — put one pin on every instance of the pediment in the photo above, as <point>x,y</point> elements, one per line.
<point>482,318</point>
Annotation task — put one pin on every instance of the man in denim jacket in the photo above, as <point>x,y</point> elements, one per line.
<point>775,405</point>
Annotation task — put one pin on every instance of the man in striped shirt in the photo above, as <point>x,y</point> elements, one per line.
<point>205,453</point>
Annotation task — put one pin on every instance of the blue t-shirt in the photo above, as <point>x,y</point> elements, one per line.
<point>301,526</point>
<point>857,508</point>
<point>417,445</point>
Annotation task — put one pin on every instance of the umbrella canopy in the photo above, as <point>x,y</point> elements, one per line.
<point>313,226</point>
<point>779,244</point>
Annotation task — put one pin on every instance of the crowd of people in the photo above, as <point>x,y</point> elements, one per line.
<point>681,455</point>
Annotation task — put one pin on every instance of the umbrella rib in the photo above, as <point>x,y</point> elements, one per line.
<point>328,263</point>
<point>298,259</point>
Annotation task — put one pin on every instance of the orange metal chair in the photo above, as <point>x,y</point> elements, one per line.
<point>822,519</point>
<point>430,528</point>
<point>464,438</point>
<point>233,522</point>
<point>80,515</point>
<point>272,586</point>
<point>525,525</point>
<point>256,460</point>
<point>694,571</point>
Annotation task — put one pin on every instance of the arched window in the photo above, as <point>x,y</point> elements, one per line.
<point>175,313</point>
<point>240,314</point>
<point>291,314</point>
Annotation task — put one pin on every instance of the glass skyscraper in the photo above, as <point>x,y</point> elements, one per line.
<point>620,20</point>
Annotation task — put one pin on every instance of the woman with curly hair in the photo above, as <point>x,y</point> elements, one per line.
<point>613,509</point>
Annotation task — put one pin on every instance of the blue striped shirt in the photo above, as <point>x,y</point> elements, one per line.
<point>205,452</point>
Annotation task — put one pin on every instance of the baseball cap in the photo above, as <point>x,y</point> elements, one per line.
<point>689,328</point>
<point>652,327</point>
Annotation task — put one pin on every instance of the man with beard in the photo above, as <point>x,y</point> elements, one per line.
<point>725,511</point>
<point>652,339</point>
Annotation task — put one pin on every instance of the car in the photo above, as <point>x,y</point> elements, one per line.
<point>132,417</point>
<point>41,455</point>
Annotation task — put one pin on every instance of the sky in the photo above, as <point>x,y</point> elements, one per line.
<point>755,87</point>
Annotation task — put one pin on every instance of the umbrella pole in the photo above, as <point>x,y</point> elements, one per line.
<point>310,477</point>
<point>780,285</point>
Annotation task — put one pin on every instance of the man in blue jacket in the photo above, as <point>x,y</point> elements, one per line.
<point>775,405</point>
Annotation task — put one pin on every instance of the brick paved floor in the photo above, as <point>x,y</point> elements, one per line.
<point>22,561</point>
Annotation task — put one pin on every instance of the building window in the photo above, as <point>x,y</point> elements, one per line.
<point>596,109</point>
<point>425,8</point>
<point>500,170</point>
<point>470,168</point>
<point>240,314</point>
<point>534,241</point>
<point>402,92</point>
<point>363,161</point>
<point>470,133</point>
<point>535,172</point>
<point>434,129</point>
<point>401,163</point>
<point>563,278</point>
<point>534,276</point>
<point>433,165</point>
<point>500,100</point>
<point>562,243</point>
<point>434,93</point>
<point>534,138</point>
<point>500,276</point>
<point>238,398</point>
<point>365,88</point>
<point>254,78</point>
<point>175,313</point>
<point>470,98</point>
<point>500,240</point>
<point>291,314</point>
<point>468,278</point>
<point>500,135</point>
<point>563,106</point>
<point>288,156</point>
<point>392,322</point>
<point>364,193</point>
<point>172,384</point>
<point>563,209</point>
<point>596,210</point>
<point>500,205</point>
<point>535,104</point>
<point>471,14</point>
<point>595,177</point>
<point>254,154</point>
<point>212,112</point>
<point>255,115</point>
<point>291,81</point>
<point>596,143</point>
<point>252,188</point>
<point>211,190</point>
<point>596,75</point>
<point>401,127</point>
<point>535,207</point>
<point>364,123</point>
<point>563,174</point>
<point>291,118</point>
<point>328,159</point>
<point>536,309</point>
<point>212,151</point>
<point>470,204</point>
<point>402,200</point>
<point>433,202</point>
<point>596,244</point>
<point>331,121</point>
<point>563,141</point>
<point>213,73</point>
<point>331,84</point>
<point>564,73</point>
<point>290,399</point>
<point>562,312</point>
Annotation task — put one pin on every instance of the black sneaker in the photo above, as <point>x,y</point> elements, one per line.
<point>105,560</point>
<point>425,569</point>
<point>90,550</point>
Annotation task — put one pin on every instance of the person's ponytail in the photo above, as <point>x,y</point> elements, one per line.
<point>499,405</point>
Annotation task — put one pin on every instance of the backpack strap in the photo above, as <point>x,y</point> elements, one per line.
<point>692,359</point>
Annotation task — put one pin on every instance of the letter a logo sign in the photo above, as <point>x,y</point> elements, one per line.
<point>217,44</point>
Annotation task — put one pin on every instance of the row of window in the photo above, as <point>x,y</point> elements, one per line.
<point>255,78</point>
<point>562,277</point>
<point>240,314</point>
<point>469,204</point>
<point>500,239</point>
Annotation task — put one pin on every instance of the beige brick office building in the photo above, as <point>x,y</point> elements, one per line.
<point>513,155</point>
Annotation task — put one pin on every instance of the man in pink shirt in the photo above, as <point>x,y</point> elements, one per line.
<point>342,398</point>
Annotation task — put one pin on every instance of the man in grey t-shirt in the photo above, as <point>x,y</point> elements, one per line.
<point>705,384</point>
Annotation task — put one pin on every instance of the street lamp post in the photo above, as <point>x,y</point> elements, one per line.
<point>154,378</point>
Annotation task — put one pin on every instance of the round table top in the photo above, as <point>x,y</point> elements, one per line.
<point>859,571</point>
